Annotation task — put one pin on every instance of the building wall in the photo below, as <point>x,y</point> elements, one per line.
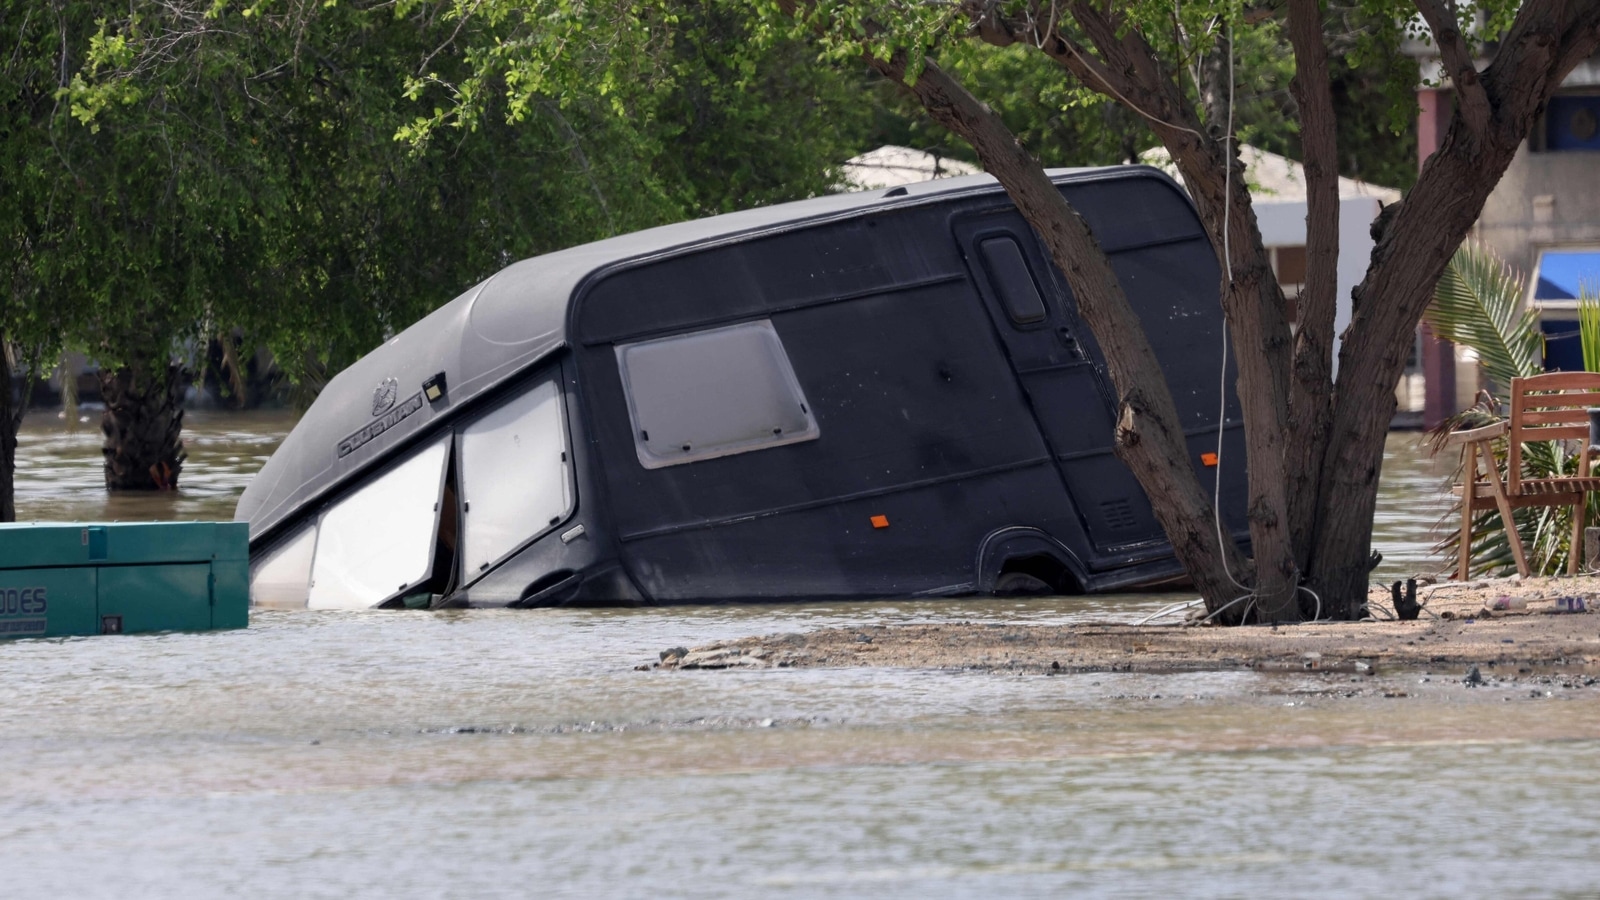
<point>1283,227</point>
<point>1283,224</point>
<point>1545,199</point>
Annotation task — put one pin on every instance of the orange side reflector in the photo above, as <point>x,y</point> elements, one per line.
<point>1210,459</point>
<point>880,521</point>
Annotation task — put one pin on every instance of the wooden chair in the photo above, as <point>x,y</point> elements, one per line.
<point>1549,407</point>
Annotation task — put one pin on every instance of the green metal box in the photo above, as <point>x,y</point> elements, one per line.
<point>73,579</point>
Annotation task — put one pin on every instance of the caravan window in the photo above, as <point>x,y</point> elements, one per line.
<point>515,475</point>
<point>378,541</point>
<point>282,578</point>
<point>712,393</point>
<point>1012,280</point>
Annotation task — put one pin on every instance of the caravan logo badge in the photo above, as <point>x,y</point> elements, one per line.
<point>389,415</point>
<point>383,397</point>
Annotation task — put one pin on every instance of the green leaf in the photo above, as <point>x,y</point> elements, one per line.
<point>1477,304</point>
<point>1589,328</point>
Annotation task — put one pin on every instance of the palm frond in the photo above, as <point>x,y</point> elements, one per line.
<point>1589,328</point>
<point>1476,305</point>
<point>1485,410</point>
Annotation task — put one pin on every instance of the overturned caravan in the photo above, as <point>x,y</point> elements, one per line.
<point>879,394</point>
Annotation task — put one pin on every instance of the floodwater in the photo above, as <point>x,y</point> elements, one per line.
<point>60,476</point>
<point>519,753</point>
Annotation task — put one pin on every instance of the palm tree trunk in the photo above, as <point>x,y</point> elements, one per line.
<point>142,425</point>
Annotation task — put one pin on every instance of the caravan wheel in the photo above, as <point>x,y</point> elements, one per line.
<point>1021,584</point>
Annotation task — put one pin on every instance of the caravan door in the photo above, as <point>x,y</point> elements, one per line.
<point>1053,356</point>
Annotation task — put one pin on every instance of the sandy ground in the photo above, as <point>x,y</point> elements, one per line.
<point>1457,629</point>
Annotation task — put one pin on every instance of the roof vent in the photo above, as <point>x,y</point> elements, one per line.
<point>895,191</point>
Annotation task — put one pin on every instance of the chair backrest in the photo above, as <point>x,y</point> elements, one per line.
<point>1549,407</point>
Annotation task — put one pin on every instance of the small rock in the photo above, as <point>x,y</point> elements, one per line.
<point>674,653</point>
<point>717,658</point>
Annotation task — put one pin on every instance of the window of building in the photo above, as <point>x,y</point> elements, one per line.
<point>379,541</point>
<point>1572,122</point>
<point>712,393</point>
<point>1012,280</point>
<point>515,475</point>
<point>282,579</point>
<point>1562,274</point>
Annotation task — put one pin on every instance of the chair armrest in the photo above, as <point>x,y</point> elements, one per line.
<point>1457,438</point>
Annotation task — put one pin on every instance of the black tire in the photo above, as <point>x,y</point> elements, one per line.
<point>1021,584</point>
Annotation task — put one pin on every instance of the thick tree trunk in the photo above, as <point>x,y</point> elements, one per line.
<point>1148,438</point>
<point>142,425</point>
<point>10,421</point>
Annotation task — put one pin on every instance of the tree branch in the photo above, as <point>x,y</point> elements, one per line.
<point>1310,403</point>
<point>990,25</point>
<point>1458,64</point>
<point>1251,299</point>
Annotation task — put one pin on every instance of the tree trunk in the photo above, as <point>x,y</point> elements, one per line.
<point>142,425</point>
<point>10,421</point>
<point>1148,438</point>
<point>1310,389</point>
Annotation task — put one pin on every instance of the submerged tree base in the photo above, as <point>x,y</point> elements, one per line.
<point>1457,629</point>
<point>143,426</point>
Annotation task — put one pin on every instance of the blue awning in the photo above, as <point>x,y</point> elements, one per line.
<point>1564,274</point>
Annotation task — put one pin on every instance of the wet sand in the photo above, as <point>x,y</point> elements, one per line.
<point>1455,631</point>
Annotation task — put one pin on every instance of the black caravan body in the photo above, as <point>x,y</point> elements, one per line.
<point>878,394</point>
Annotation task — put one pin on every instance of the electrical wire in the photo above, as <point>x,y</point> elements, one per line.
<point>1224,607</point>
<point>1222,376</point>
<point>1169,610</point>
<point>1318,614</point>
